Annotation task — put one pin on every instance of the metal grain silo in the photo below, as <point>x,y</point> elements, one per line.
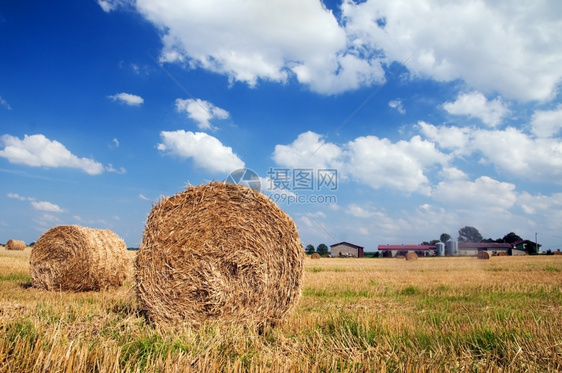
<point>440,247</point>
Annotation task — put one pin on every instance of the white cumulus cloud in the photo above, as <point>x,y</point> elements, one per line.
<point>397,104</point>
<point>45,206</point>
<point>39,151</point>
<point>475,105</point>
<point>308,150</point>
<point>494,47</point>
<point>370,160</point>
<point>201,111</point>
<point>547,123</point>
<point>205,150</point>
<point>127,98</point>
<point>257,40</point>
<point>16,196</point>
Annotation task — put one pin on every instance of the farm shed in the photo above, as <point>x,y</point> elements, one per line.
<point>390,251</point>
<point>472,248</point>
<point>346,249</point>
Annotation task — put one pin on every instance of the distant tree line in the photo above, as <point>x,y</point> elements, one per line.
<point>322,249</point>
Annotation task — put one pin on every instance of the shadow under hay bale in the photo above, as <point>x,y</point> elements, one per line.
<point>15,245</point>
<point>315,256</point>
<point>482,254</point>
<point>218,252</point>
<point>411,256</point>
<point>74,258</point>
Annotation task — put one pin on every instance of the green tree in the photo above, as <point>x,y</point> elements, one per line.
<point>322,249</point>
<point>310,249</point>
<point>430,243</point>
<point>444,237</point>
<point>511,238</point>
<point>469,234</point>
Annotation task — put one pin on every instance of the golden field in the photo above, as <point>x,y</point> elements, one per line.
<point>355,315</point>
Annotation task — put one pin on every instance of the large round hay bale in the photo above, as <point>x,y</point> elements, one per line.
<point>315,256</point>
<point>483,254</point>
<point>15,245</point>
<point>411,256</point>
<point>74,258</point>
<point>218,252</point>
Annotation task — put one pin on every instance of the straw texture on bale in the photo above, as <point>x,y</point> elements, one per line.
<point>502,253</point>
<point>482,254</point>
<point>15,245</point>
<point>411,256</point>
<point>315,256</point>
<point>220,252</point>
<point>74,258</point>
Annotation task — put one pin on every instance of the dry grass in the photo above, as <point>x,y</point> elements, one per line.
<point>219,252</point>
<point>358,315</point>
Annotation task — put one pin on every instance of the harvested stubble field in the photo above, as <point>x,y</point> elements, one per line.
<point>356,315</point>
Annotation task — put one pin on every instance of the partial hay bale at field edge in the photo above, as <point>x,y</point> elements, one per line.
<point>411,256</point>
<point>219,252</point>
<point>315,256</point>
<point>15,245</point>
<point>557,252</point>
<point>75,258</point>
<point>483,254</point>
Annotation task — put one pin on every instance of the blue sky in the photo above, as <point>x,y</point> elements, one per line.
<point>431,116</point>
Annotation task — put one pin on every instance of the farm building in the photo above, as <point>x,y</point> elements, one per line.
<point>346,249</point>
<point>450,248</point>
<point>390,251</point>
<point>520,247</point>
<point>472,248</point>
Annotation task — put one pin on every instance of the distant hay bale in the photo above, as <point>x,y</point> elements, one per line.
<point>482,254</point>
<point>502,253</point>
<point>74,258</point>
<point>411,256</point>
<point>15,245</point>
<point>557,252</point>
<point>400,257</point>
<point>218,252</point>
<point>315,256</point>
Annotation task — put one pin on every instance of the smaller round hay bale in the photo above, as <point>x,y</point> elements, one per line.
<point>15,245</point>
<point>411,256</point>
<point>557,252</point>
<point>315,256</point>
<point>400,257</point>
<point>483,254</point>
<point>75,258</point>
<point>502,253</point>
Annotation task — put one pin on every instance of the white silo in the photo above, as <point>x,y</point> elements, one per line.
<point>452,248</point>
<point>440,247</point>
